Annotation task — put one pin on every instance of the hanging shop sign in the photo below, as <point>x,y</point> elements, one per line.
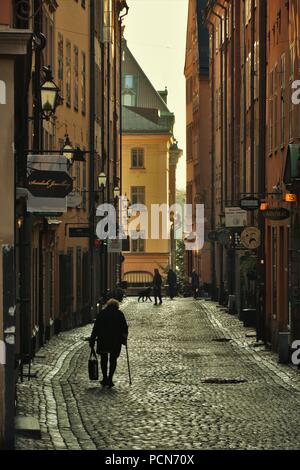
<point>114,245</point>
<point>251,238</point>
<point>235,217</point>
<point>250,203</point>
<point>52,184</point>
<point>276,213</point>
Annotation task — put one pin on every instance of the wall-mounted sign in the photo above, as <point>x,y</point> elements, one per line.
<point>114,246</point>
<point>74,199</point>
<point>2,92</point>
<point>279,213</point>
<point>79,232</point>
<point>54,184</point>
<point>235,217</point>
<point>250,203</point>
<point>46,205</point>
<point>251,238</point>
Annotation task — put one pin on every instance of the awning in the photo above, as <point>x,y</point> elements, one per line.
<point>292,166</point>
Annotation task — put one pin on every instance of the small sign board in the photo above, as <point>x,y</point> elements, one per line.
<point>114,245</point>
<point>251,238</point>
<point>250,203</point>
<point>276,213</point>
<point>235,217</point>
<point>79,232</point>
<point>53,184</point>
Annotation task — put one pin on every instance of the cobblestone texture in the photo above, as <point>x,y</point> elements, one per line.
<point>181,397</point>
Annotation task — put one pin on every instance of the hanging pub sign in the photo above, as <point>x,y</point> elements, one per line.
<point>52,184</point>
<point>250,203</point>
<point>279,213</point>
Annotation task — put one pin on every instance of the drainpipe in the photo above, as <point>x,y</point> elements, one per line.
<point>261,283</point>
<point>213,162</point>
<point>92,156</point>
<point>252,125</point>
<point>221,290</point>
<point>121,111</point>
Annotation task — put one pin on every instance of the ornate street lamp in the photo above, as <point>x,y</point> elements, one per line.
<point>117,192</point>
<point>68,149</point>
<point>49,94</point>
<point>102,180</point>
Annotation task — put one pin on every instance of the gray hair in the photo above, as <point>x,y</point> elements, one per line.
<point>113,302</point>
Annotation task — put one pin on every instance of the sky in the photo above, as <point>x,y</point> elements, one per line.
<point>156,35</point>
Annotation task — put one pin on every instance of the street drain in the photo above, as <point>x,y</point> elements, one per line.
<point>221,340</point>
<point>221,381</point>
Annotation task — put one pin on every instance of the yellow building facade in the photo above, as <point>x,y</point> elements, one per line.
<point>148,172</point>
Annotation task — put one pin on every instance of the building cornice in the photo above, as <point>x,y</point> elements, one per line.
<point>14,41</point>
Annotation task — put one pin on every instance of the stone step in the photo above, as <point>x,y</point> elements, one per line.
<point>28,426</point>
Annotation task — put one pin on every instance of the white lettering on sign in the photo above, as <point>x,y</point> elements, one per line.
<point>2,92</point>
<point>2,353</point>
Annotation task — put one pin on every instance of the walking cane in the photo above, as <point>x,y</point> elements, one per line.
<point>129,374</point>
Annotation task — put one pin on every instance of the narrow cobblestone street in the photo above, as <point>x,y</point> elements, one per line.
<point>200,381</point>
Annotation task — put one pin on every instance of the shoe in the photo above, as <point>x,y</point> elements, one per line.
<point>110,383</point>
<point>104,382</point>
<point>154,304</point>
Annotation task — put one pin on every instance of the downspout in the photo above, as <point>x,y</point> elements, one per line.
<point>213,162</point>
<point>261,283</point>
<point>121,112</point>
<point>221,289</point>
<point>252,125</point>
<point>92,155</point>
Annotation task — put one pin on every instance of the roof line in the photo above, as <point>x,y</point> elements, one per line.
<point>152,86</point>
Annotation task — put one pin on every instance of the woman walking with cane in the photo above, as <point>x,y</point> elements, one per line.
<point>110,331</point>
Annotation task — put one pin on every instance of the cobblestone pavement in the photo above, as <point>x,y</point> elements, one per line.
<point>199,382</point>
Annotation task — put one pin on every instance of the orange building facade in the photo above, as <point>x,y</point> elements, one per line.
<point>198,115</point>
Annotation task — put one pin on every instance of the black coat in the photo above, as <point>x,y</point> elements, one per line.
<point>110,330</point>
<point>172,279</point>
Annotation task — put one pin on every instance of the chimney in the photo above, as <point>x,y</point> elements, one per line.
<point>164,95</point>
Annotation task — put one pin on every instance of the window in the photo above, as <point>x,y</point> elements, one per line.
<point>271,89</point>
<point>60,61</point>
<point>137,158</point>
<point>189,143</point>
<point>129,99</point>
<point>248,11</point>
<point>282,100</point>
<point>256,70</point>
<point>189,90</point>
<point>76,78</point>
<point>83,83</point>
<point>68,74</point>
<point>138,246</point>
<point>138,195</point>
<point>275,105</point>
<point>129,82</point>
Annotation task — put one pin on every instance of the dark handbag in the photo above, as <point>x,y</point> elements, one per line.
<point>93,366</point>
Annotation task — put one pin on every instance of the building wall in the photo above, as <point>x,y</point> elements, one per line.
<point>155,179</point>
<point>198,142</point>
<point>282,130</point>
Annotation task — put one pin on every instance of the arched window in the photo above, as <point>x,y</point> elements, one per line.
<point>137,158</point>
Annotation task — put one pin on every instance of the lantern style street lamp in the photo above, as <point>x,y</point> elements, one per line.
<point>102,180</point>
<point>117,192</point>
<point>49,94</point>
<point>68,149</point>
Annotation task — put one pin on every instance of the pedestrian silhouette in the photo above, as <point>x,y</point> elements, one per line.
<point>195,283</point>
<point>110,331</point>
<point>157,283</point>
<point>172,281</point>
